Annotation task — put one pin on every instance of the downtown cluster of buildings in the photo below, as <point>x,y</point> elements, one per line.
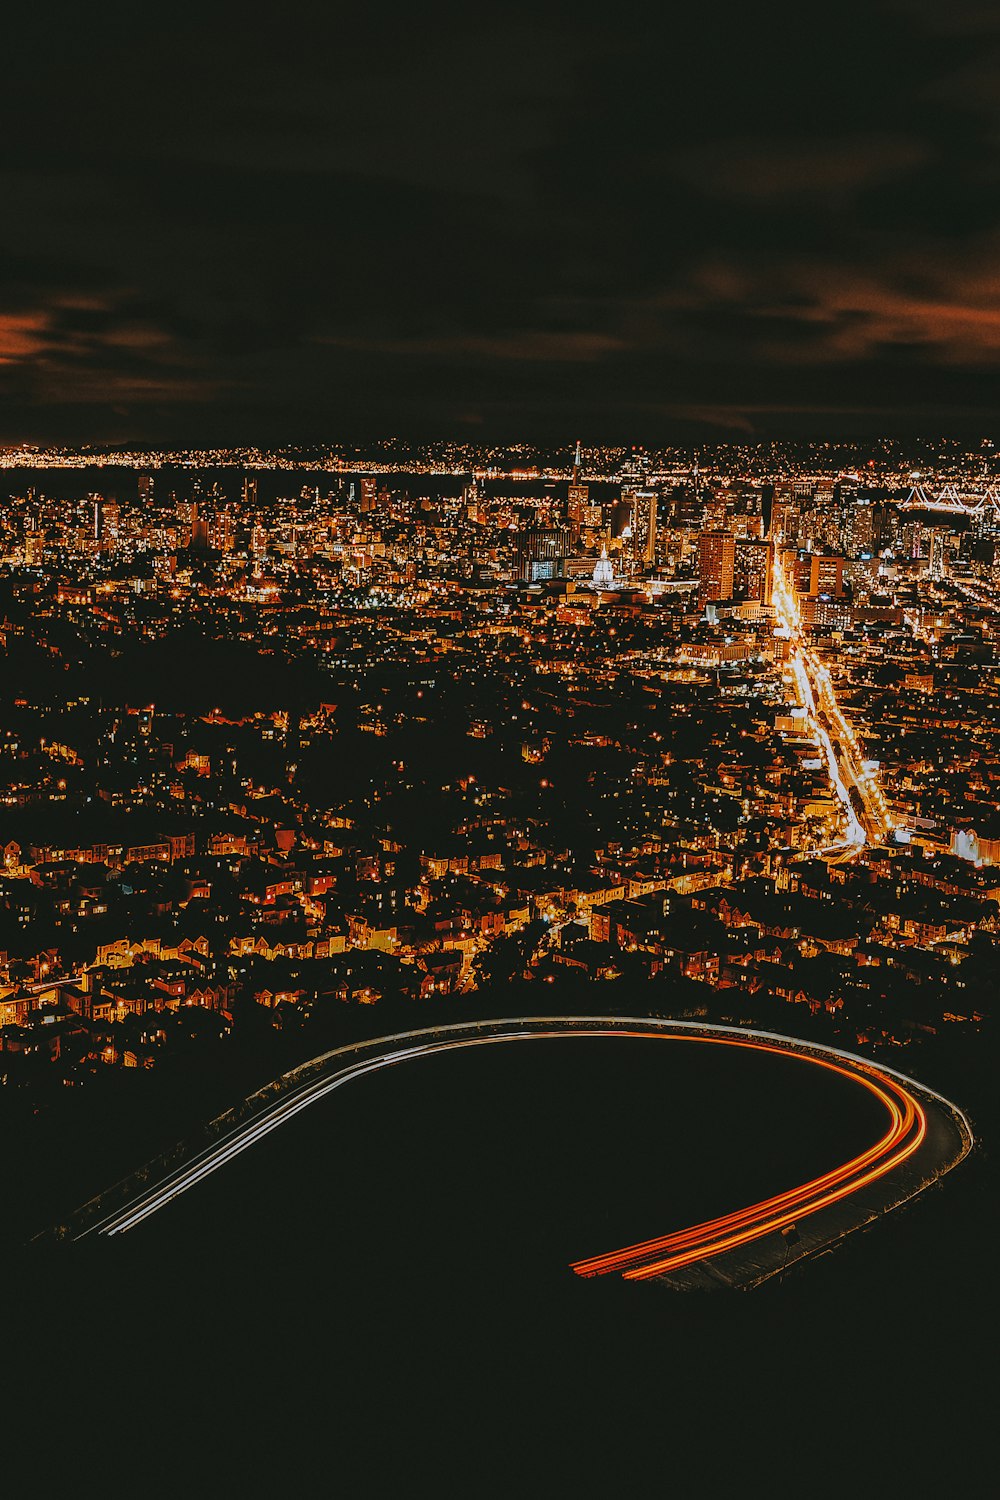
<point>309,738</point>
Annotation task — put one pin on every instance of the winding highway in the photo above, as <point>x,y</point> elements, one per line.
<point>910,1110</point>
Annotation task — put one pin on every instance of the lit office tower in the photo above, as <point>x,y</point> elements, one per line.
<point>578,494</point>
<point>858,534</point>
<point>199,532</point>
<point>644,503</point>
<point>187,511</point>
<point>913,540</point>
<point>716,498</point>
<point>784,525</point>
<point>369,493</point>
<point>577,504</point>
<point>249,490</point>
<point>752,570</point>
<point>110,525</point>
<point>716,565</point>
<point>470,499</point>
<point>105,527</point>
<point>540,554</point>
<point>826,574</point>
<point>220,532</point>
<point>145,486</point>
<point>936,568</point>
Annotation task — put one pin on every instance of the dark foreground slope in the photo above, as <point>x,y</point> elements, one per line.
<point>250,1350</point>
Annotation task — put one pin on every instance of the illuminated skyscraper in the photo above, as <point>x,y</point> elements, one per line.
<point>577,502</point>
<point>540,554</point>
<point>826,575</point>
<point>578,494</point>
<point>220,532</point>
<point>784,523</point>
<point>716,501</point>
<point>858,533</point>
<point>644,507</point>
<point>752,574</point>
<point>936,567</point>
<point>716,566</point>
<point>913,540</point>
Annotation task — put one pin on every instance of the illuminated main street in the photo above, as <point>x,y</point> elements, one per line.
<point>925,1134</point>
<point>867,817</point>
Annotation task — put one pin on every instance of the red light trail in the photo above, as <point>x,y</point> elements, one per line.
<point>670,1252</point>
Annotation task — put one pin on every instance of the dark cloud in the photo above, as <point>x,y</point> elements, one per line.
<point>648,221</point>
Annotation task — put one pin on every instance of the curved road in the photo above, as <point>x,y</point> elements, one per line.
<point>925,1136</point>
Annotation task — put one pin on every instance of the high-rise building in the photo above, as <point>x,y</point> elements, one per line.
<point>187,512</point>
<point>369,493</point>
<point>784,522</point>
<point>913,540</point>
<point>249,490</point>
<point>937,556</point>
<point>578,493</point>
<point>220,532</point>
<point>826,575</point>
<point>644,507</point>
<point>858,532</point>
<point>716,502</point>
<point>752,573</point>
<point>819,573</point>
<point>146,487</point>
<point>470,499</point>
<point>107,523</point>
<point>540,554</point>
<point>716,566</point>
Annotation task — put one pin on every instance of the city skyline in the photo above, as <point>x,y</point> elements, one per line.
<point>306,751</point>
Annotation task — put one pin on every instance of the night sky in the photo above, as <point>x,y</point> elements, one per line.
<point>632,223</point>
